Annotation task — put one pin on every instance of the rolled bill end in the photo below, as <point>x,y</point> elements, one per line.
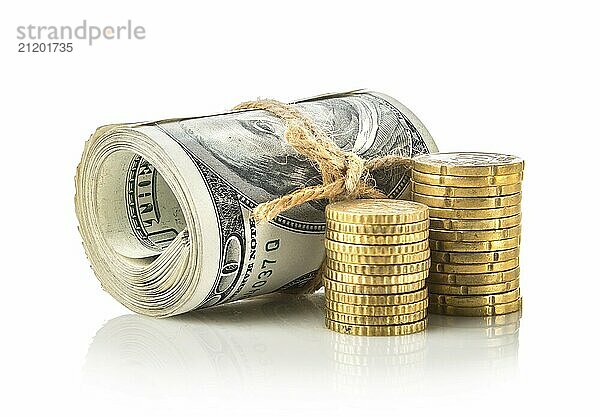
<point>127,182</point>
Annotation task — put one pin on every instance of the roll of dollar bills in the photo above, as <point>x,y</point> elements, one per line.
<point>165,207</point>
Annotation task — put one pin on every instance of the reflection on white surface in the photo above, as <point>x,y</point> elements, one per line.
<point>278,345</point>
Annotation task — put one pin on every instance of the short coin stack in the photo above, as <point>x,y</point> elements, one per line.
<point>376,265</point>
<point>474,202</point>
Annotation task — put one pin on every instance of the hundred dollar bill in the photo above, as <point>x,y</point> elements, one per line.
<point>165,207</point>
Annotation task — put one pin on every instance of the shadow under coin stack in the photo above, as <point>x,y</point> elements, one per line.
<point>474,202</point>
<point>376,265</point>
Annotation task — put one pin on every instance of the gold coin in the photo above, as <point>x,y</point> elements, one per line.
<point>388,276</point>
<point>359,330</point>
<point>475,300</point>
<point>376,300</point>
<point>377,229</point>
<point>353,258</point>
<point>474,257</point>
<point>468,202</point>
<point>465,182</point>
<point>377,239</point>
<point>439,191</point>
<point>375,320</point>
<point>372,289</point>
<point>476,224</point>
<point>482,334</point>
<point>468,163</point>
<point>373,250</point>
<point>493,213</point>
<point>483,322</point>
<point>473,289</point>
<point>491,310</point>
<point>376,211</point>
<point>489,246</point>
<point>379,270</point>
<point>475,235</point>
<point>473,279</point>
<point>365,310</point>
<point>474,268</point>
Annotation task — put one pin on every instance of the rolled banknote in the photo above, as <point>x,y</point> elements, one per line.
<point>164,207</point>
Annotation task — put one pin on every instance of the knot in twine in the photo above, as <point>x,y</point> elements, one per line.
<point>345,174</point>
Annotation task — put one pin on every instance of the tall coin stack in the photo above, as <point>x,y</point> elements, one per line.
<point>474,202</point>
<point>376,265</point>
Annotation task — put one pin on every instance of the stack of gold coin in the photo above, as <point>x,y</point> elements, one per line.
<point>474,202</point>
<point>376,265</point>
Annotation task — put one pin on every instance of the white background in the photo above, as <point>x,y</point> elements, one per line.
<point>513,77</point>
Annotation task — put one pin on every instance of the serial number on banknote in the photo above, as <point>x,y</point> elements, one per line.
<point>45,47</point>
<point>266,267</point>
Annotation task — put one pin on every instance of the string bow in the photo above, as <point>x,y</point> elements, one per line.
<point>345,174</point>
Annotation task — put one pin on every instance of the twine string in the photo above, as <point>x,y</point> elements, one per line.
<point>345,174</point>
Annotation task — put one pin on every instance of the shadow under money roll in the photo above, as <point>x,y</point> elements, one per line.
<point>195,353</point>
<point>164,207</point>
